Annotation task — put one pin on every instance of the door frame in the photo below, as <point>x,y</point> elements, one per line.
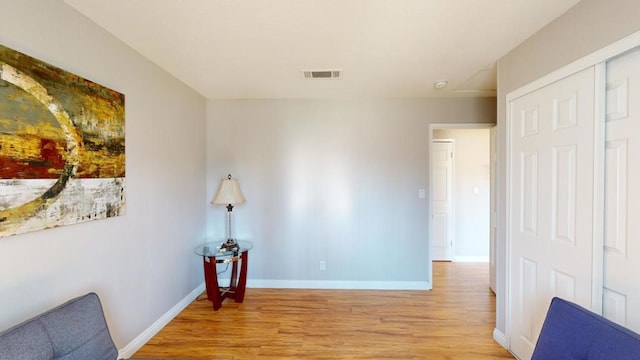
<point>432,127</point>
<point>493,207</point>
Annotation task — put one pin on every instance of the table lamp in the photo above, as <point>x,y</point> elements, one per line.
<point>229,194</point>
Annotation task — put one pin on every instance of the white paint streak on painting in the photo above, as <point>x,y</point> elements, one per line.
<point>81,200</point>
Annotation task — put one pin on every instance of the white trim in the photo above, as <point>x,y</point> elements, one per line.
<point>152,330</point>
<point>454,179</point>
<point>460,126</point>
<point>599,150</point>
<point>343,285</point>
<point>499,337</point>
<point>471,259</point>
<point>507,225</point>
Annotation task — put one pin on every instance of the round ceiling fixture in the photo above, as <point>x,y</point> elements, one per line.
<point>440,84</point>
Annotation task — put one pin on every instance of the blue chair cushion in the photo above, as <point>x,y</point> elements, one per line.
<point>573,332</point>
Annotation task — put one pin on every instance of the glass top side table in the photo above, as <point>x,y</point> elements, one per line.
<point>214,250</point>
<point>212,253</point>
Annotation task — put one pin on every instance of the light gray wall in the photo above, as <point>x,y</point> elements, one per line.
<point>472,210</point>
<point>141,264</point>
<point>587,27</point>
<point>333,180</point>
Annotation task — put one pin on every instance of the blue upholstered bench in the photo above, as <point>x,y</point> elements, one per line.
<point>573,332</point>
<point>75,330</point>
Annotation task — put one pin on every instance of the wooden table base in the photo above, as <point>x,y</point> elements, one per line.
<point>237,282</point>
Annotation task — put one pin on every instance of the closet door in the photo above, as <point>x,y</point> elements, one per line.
<point>551,202</point>
<point>621,300</point>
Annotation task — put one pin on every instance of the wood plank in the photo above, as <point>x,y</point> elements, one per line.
<point>455,320</point>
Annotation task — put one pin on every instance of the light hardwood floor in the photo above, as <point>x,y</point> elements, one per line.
<point>455,320</point>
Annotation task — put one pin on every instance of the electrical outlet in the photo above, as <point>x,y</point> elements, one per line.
<point>323,265</point>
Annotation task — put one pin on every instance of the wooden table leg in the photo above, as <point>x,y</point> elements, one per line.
<point>211,282</point>
<point>242,282</point>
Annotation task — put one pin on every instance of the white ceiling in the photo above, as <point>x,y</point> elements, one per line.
<point>386,48</point>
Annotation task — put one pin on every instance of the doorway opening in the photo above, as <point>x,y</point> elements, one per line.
<point>461,193</point>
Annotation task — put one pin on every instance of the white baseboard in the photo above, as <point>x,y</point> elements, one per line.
<point>152,330</point>
<point>471,259</point>
<point>500,338</point>
<point>343,285</point>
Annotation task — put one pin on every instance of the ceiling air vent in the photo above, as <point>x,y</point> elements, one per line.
<point>322,74</point>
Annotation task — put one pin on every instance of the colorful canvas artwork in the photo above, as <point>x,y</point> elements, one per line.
<point>62,147</point>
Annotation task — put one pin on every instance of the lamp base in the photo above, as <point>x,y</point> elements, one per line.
<point>230,245</point>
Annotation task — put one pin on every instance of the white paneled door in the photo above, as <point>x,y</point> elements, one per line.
<point>442,193</point>
<point>621,300</point>
<point>551,202</point>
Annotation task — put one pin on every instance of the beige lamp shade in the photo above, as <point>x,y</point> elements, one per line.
<point>228,193</point>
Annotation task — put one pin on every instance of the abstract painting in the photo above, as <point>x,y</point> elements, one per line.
<point>62,147</point>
